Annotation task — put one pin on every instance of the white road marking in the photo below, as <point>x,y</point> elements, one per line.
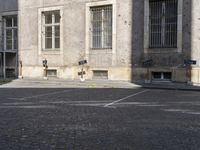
<point>79,102</point>
<point>117,101</point>
<point>176,110</point>
<point>143,104</point>
<point>193,113</point>
<point>18,103</point>
<point>40,95</point>
<point>28,107</point>
<point>184,111</point>
<point>97,104</point>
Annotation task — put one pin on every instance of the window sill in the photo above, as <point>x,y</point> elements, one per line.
<point>51,51</point>
<point>10,51</point>
<point>161,50</point>
<point>93,51</point>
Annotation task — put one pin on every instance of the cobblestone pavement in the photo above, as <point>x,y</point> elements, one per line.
<point>99,119</point>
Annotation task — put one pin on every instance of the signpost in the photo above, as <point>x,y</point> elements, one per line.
<point>190,62</point>
<point>188,68</point>
<point>82,73</point>
<point>44,62</point>
<point>20,69</point>
<point>148,63</point>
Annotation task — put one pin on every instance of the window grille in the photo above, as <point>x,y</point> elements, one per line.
<point>101,21</point>
<point>163,23</point>
<point>162,75</point>
<point>100,74</point>
<point>51,73</point>
<point>51,21</point>
<point>10,32</point>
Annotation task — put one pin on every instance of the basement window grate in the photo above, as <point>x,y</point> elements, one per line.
<point>161,75</point>
<point>10,73</point>
<point>52,73</point>
<point>100,74</point>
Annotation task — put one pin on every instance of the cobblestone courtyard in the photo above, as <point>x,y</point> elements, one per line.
<point>99,119</point>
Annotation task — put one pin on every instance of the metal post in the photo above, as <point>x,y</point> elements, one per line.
<point>4,65</point>
<point>45,73</point>
<point>82,73</point>
<point>20,69</point>
<point>188,74</point>
<point>45,69</point>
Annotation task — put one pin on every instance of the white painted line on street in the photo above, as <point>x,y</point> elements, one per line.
<point>117,101</point>
<point>184,111</point>
<point>18,103</point>
<point>97,104</point>
<point>28,107</point>
<point>193,113</point>
<point>143,104</point>
<point>176,110</point>
<point>79,102</point>
<point>40,95</point>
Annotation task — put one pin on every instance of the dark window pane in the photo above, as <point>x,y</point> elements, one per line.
<point>156,75</point>
<point>57,16</point>
<point>57,42</point>
<point>15,21</point>
<point>167,75</point>
<point>48,31</point>
<point>8,21</point>
<point>15,39</point>
<point>48,18</point>
<point>57,31</point>
<point>48,43</point>
<point>57,36</point>
<point>9,34</point>
<point>9,45</point>
<point>9,39</point>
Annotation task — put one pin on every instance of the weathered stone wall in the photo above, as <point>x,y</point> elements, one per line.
<point>8,5</point>
<point>167,59</point>
<point>161,57</point>
<point>125,61</point>
<point>74,40</point>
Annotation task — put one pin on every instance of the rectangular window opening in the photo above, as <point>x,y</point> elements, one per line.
<point>10,33</point>
<point>101,27</point>
<point>162,76</point>
<point>100,74</point>
<point>52,73</point>
<point>10,73</point>
<point>163,16</point>
<point>51,30</point>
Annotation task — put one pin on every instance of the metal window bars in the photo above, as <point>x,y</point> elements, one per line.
<point>101,27</point>
<point>163,23</point>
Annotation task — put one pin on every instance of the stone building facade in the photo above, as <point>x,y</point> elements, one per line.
<point>8,38</point>
<point>109,59</point>
<point>132,40</point>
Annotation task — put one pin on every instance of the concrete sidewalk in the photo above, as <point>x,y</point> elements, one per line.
<point>171,86</point>
<point>59,83</point>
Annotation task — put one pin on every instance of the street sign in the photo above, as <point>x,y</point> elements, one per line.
<point>44,62</point>
<point>81,73</point>
<point>190,62</point>
<point>148,63</point>
<point>82,62</point>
